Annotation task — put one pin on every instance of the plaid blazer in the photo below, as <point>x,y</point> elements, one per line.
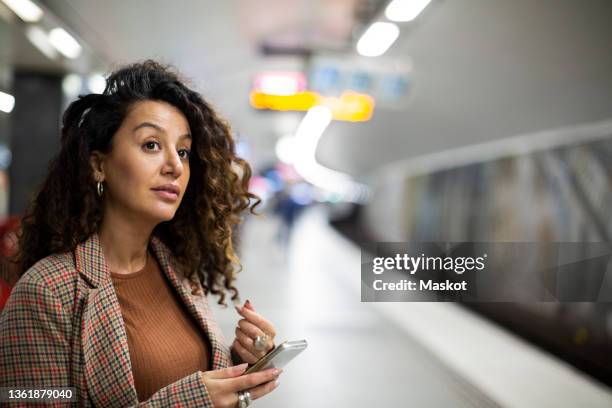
<point>62,326</point>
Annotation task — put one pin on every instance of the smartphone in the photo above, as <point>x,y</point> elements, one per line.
<point>279,356</point>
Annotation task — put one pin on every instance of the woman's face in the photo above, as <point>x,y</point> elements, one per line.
<point>147,170</point>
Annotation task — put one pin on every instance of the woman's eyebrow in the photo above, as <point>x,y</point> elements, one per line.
<point>149,124</point>
<point>158,128</point>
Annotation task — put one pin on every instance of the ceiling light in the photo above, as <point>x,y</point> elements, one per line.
<point>71,85</point>
<point>377,39</point>
<point>314,123</point>
<point>405,10</point>
<point>285,149</point>
<point>305,143</point>
<point>307,136</point>
<point>96,83</point>
<point>25,9</point>
<point>39,38</point>
<point>65,43</point>
<point>7,102</point>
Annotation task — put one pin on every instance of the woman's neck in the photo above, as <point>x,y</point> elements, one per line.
<point>124,245</point>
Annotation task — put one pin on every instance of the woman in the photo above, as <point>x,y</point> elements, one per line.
<point>130,231</point>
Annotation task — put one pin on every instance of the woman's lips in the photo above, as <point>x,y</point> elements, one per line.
<point>166,195</point>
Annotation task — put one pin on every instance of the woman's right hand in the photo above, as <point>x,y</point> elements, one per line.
<point>224,384</point>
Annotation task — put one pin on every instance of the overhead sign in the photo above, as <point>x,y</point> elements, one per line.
<point>349,106</point>
<point>386,79</point>
<point>343,88</point>
<point>280,83</point>
<point>299,101</point>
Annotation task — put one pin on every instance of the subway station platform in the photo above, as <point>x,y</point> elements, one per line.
<point>385,354</point>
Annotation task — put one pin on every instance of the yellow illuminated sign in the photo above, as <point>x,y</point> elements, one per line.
<point>350,106</point>
<point>300,101</point>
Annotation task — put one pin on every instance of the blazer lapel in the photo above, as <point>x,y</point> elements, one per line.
<point>181,284</point>
<point>104,340</point>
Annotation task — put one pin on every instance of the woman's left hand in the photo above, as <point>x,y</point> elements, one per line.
<point>251,326</point>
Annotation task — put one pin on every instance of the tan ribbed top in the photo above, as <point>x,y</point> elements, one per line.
<point>164,340</point>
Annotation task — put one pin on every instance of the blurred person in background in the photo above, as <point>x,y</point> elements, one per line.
<point>127,236</point>
<point>8,247</point>
<point>288,207</point>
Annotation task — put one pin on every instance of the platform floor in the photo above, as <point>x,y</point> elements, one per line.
<point>356,356</point>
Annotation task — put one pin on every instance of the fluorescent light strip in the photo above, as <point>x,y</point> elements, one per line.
<point>27,10</point>
<point>7,102</point>
<point>377,39</point>
<point>405,10</point>
<point>65,43</point>
<point>40,40</point>
<point>314,124</point>
<point>285,149</point>
<point>306,140</point>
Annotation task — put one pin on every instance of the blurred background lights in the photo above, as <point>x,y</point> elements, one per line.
<point>96,83</point>
<point>39,38</point>
<point>280,83</point>
<point>301,193</point>
<point>27,10</point>
<point>377,39</point>
<point>71,85</point>
<point>7,102</point>
<point>66,44</point>
<point>405,10</point>
<point>275,180</point>
<point>312,127</point>
<point>260,186</point>
<point>243,149</point>
<point>307,138</point>
<point>309,132</point>
<point>5,157</point>
<point>285,149</point>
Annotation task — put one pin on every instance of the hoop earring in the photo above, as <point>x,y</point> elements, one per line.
<point>100,188</point>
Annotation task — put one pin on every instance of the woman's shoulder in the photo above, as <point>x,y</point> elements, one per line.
<point>54,263</point>
<point>55,272</point>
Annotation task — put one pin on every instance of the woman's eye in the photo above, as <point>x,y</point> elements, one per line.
<point>183,153</point>
<point>150,145</point>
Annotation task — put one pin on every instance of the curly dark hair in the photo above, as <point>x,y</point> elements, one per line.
<point>65,210</point>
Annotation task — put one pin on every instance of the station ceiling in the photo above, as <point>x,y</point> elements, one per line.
<point>481,69</point>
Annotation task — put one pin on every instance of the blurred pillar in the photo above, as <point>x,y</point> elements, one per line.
<point>35,133</point>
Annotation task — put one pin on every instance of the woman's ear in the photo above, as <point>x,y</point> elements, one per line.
<point>96,160</point>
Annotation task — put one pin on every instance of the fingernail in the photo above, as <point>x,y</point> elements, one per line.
<point>247,303</point>
<point>276,382</point>
<point>242,366</point>
<point>278,371</point>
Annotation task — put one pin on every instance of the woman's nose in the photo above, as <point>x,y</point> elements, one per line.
<point>174,164</point>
